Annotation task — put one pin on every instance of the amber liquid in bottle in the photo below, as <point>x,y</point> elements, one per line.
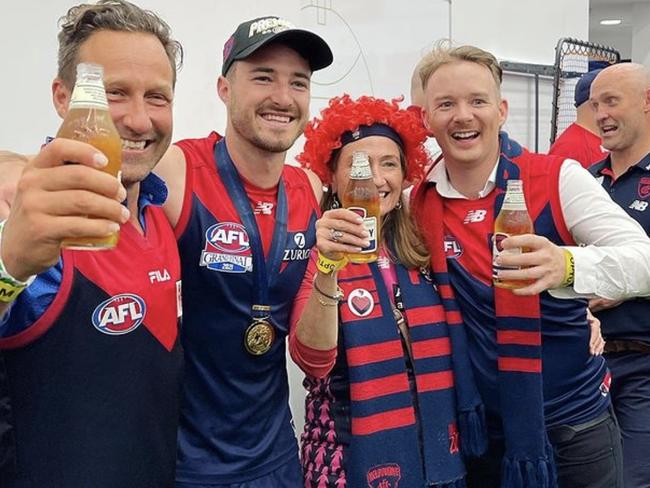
<point>88,120</point>
<point>513,220</point>
<point>361,196</point>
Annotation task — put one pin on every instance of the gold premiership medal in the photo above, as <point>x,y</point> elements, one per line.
<point>259,337</point>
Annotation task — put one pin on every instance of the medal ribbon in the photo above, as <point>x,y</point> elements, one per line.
<point>261,277</point>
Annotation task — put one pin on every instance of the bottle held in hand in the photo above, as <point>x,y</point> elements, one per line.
<point>361,196</point>
<point>88,120</point>
<point>513,220</point>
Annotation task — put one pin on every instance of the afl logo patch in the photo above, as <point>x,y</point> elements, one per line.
<point>360,302</point>
<point>453,249</point>
<point>227,249</point>
<point>228,237</point>
<point>120,314</point>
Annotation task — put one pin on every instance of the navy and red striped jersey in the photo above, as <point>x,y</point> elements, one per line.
<point>235,420</point>
<point>91,390</point>
<point>572,378</point>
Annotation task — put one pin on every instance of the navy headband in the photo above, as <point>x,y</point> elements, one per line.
<point>371,130</point>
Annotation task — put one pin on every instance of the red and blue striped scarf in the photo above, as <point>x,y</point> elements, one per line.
<point>383,410</point>
<point>528,461</point>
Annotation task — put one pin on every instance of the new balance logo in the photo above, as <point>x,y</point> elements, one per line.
<point>475,216</point>
<point>639,205</point>
<point>263,208</point>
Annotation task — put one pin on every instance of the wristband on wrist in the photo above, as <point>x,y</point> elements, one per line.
<point>569,269</point>
<point>10,287</point>
<point>328,266</point>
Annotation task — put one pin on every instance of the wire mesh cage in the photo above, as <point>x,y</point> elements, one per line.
<point>573,58</point>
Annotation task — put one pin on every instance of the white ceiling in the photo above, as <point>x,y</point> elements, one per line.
<point>618,36</point>
<point>606,3</point>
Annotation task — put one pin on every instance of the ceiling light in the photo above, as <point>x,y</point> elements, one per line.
<point>610,21</point>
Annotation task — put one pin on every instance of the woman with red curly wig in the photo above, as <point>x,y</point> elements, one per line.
<point>390,395</point>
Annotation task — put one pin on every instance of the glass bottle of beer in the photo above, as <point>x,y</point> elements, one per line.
<point>513,220</point>
<point>88,120</point>
<point>361,196</point>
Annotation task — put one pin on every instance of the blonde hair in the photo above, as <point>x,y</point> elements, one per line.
<point>443,53</point>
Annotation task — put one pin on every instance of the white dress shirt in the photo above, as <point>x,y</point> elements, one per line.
<point>613,257</point>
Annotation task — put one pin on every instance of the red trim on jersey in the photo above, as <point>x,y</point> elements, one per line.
<point>160,297</point>
<point>442,380</point>
<point>189,151</point>
<point>425,315</point>
<point>520,365</point>
<point>519,337</point>
<point>359,356</point>
<point>431,348</point>
<point>386,385</point>
<point>45,321</point>
<point>382,421</point>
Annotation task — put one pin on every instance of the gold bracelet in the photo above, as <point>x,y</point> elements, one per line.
<point>325,303</point>
<point>337,297</point>
<point>569,269</point>
<point>328,266</point>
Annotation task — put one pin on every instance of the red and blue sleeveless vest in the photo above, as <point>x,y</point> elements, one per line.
<point>235,420</point>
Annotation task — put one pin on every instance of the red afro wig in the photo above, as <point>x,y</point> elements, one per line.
<point>323,136</point>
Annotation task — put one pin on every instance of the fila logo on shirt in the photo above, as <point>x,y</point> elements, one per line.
<point>159,275</point>
<point>475,216</point>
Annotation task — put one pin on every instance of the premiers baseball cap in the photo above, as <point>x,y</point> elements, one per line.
<point>584,86</point>
<point>253,34</point>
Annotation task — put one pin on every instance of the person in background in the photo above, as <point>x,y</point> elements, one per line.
<point>91,362</point>
<point>580,141</point>
<point>389,384</point>
<point>620,100</point>
<point>548,410</point>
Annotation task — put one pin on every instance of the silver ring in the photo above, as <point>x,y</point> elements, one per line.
<point>335,235</point>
